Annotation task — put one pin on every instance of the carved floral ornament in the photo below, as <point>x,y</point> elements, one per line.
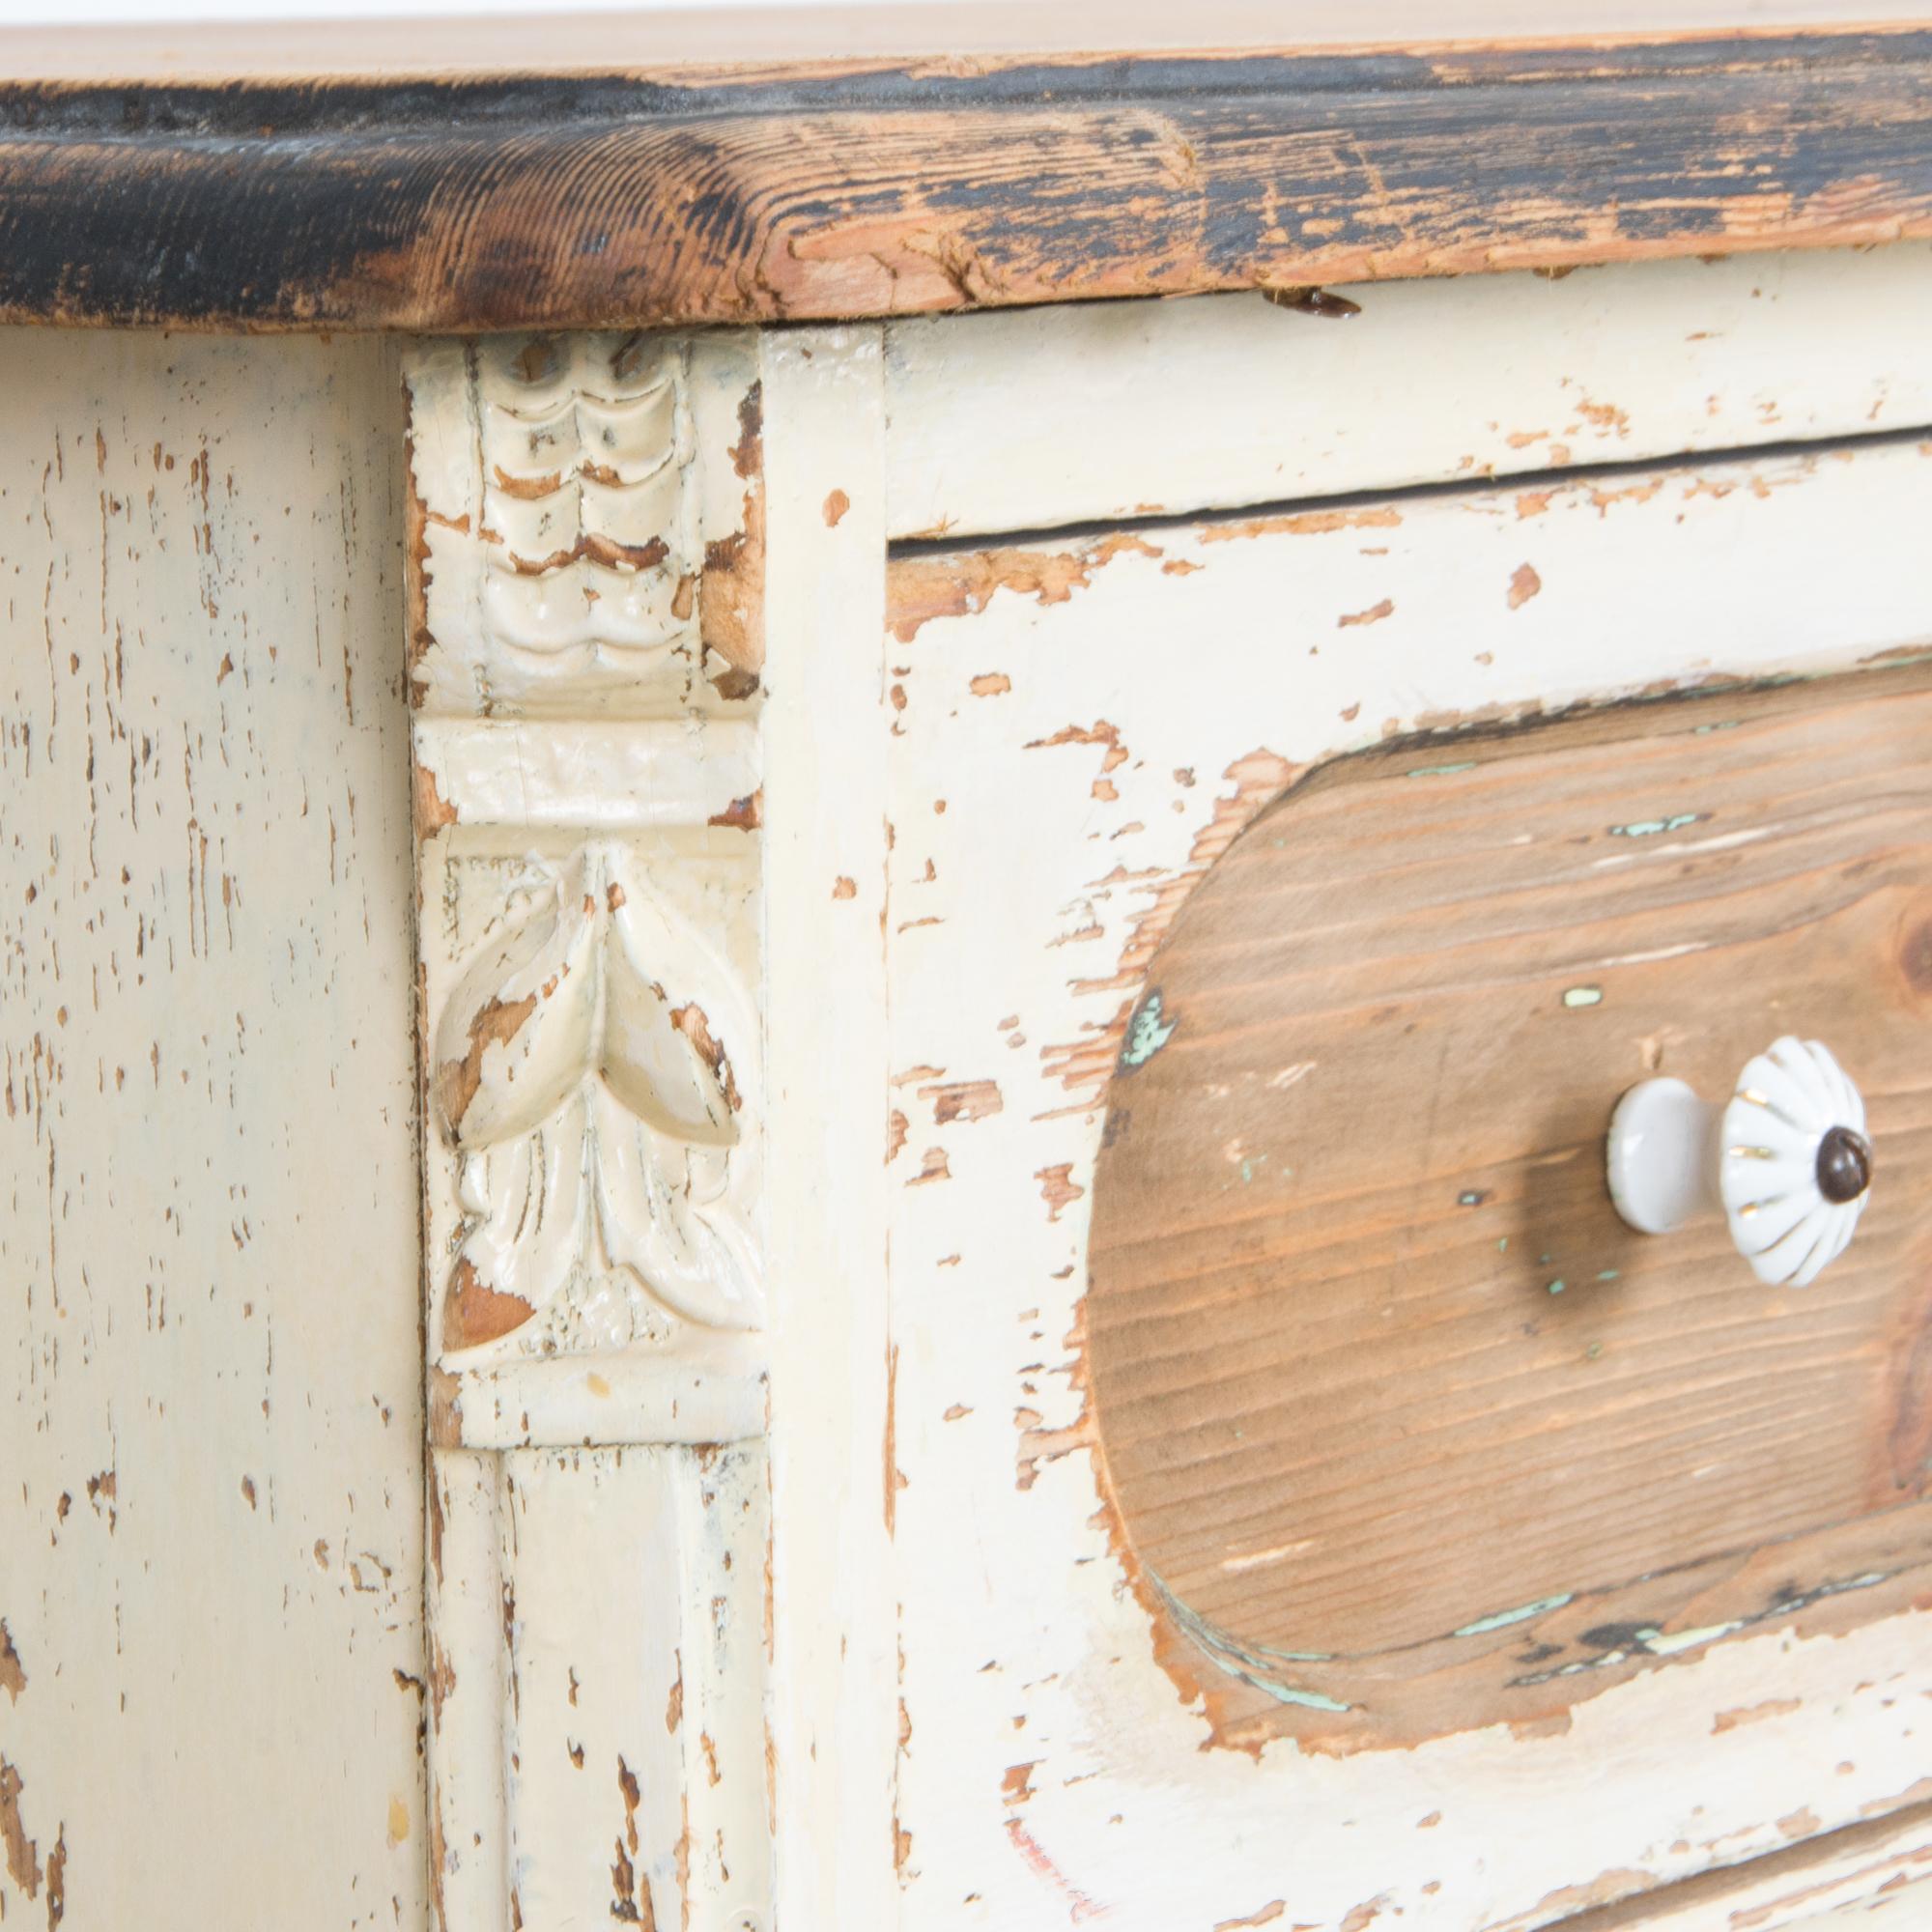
<point>600,1109</point>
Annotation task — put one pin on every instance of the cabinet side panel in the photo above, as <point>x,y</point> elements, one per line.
<point>210,1426</point>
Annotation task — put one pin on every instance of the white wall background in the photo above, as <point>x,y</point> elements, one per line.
<point>1062,23</point>
<point>75,12</point>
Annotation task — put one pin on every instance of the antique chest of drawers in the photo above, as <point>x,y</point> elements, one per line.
<point>825,885</point>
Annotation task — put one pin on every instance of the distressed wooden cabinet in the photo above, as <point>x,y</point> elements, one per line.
<point>805,1098</point>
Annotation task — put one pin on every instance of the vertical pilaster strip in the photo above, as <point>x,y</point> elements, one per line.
<point>586,548</point>
<point>468,1843</point>
<point>833,1708</point>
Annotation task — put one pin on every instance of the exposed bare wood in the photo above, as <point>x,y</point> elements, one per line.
<point>1413,1431</point>
<point>841,189</point>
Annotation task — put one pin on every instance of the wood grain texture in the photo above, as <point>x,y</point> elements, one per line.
<point>869,188</point>
<point>210,1516</point>
<point>1409,1431</point>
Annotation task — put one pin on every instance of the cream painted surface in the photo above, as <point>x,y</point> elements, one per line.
<point>835,1711</point>
<point>767,1586</point>
<point>590,897</point>
<point>1048,416</point>
<point>211,1434</point>
<point>1067,752</point>
<point>1884,1872</point>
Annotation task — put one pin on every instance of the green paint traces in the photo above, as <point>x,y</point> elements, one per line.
<point>1556,1288</point>
<point>1649,828</point>
<point>1659,1645</point>
<point>1704,731</point>
<point>1504,1618</point>
<point>1608,1275</point>
<point>1146,1034</point>
<point>1442,771</point>
<point>1583,996</point>
<point>1313,1700</point>
<point>1595,1349</point>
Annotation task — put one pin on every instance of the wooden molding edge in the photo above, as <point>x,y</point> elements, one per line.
<point>831,191</point>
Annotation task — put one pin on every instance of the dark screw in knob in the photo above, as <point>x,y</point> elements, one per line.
<point>1844,1165</point>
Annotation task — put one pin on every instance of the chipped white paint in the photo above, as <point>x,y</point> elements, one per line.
<point>833,1710</point>
<point>767,1585</point>
<point>1037,418</point>
<point>586,785</point>
<point>710,1389</point>
<point>567,773</point>
<point>570,487</point>
<point>636,1732</point>
<point>1073,746</point>
<point>1874,1875</point>
<point>606,1126</point>
<point>468,1856</point>
<point>210,1546</point>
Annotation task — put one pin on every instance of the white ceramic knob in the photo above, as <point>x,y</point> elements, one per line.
<point>1786,1160</point>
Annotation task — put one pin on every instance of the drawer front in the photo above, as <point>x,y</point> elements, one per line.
<point>1309,1502</point>
<point>1407,1430</point>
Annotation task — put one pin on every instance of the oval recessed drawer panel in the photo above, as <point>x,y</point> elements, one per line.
<point>1407,1431</point>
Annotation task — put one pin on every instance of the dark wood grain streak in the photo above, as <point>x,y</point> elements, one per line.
<point>1407,1431</point>
<point>873,189</point>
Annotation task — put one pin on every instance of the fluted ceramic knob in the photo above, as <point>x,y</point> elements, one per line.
<point>1786,1160</point>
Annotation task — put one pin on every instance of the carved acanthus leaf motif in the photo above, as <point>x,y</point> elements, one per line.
<point>606,1150</point>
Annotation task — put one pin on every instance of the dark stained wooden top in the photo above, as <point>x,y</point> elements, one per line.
<point>886,186</point>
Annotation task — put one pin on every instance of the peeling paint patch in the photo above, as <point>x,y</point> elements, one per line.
<point>963,1101</point>
<point>1256,1665</point>
<point>1266,1915</point>
<point>57,1882</point>
<point>1374,614</point>
<point>1058,1188</point>
<point>1305,523</point>
<point>1524,583</point>
<point>1503,1619</point>
<point>1147,1032</point>
<point>24,1864</point>
<point>12,1673</point>
<point>1574,997</point>
<point>919,589</point>
<point>1754,1714</point>
<point>1650,827</point>
<point>744,815</point>
<point>931,1166</point>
